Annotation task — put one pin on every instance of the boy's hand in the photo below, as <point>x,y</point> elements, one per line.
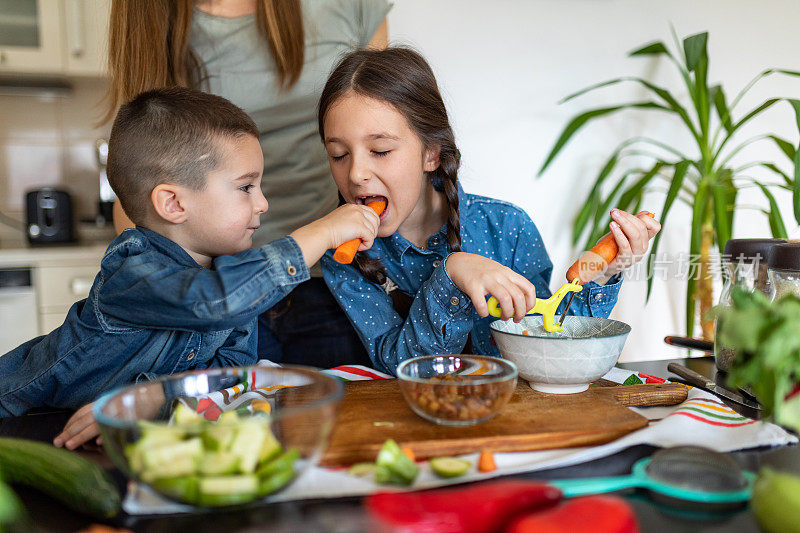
<point>478,276</point>
<point>632,234</point>
<point>352,221</point>
<point>80,428</point>
<point>345,223</point>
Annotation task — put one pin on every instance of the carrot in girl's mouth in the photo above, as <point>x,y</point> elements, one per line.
<point>346,251</point>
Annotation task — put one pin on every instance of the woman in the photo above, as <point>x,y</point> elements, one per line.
<point>271,58</point>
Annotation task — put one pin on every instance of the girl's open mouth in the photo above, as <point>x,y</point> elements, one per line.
<point>366,200</point>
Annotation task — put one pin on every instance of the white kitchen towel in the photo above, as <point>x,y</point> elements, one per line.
<point>700,420</point>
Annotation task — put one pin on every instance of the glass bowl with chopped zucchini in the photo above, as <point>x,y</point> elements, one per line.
<point>457,390</point>
<point>220,437</point>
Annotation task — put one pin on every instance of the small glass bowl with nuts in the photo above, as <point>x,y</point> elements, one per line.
<point>457,390</point>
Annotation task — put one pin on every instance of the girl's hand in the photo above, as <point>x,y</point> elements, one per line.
<point>632,234</point>
<point>345,223</point>
<point>478,276</point>
<point>80,428</point>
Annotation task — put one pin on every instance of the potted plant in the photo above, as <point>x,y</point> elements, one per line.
<point>706,180</point>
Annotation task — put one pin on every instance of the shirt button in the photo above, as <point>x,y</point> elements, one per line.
<point>598,296</point>
<point>454,300</point>
<point>435,241</point>
<point>436,263</point>
<point>190,356</point>
<point>291,270</point>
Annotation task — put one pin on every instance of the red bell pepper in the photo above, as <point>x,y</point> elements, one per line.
<point>483,508</point>
<point>591,514</point>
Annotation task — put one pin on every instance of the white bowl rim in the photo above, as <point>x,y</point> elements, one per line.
<point>625,330</point>
<point>489,379</point>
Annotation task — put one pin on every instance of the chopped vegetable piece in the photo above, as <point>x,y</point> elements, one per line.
<point>408,452</point>
<point>362,469</point>
<point>486,462</point>
<point>450,466</point>
<point>391,457</point>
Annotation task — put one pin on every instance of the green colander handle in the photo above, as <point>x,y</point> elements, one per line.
<point>594,485</point>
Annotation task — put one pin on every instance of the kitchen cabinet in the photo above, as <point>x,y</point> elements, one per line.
<point>54,37</point>
<point>59,277</point>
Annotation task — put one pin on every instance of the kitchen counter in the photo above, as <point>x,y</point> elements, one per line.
<point>53,277</point>
<point>347,514</point>
<point>16,254</point>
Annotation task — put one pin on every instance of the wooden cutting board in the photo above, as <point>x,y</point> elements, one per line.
<point>373,411</point>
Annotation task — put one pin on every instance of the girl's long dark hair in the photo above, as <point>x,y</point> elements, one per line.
<point>401,77</point>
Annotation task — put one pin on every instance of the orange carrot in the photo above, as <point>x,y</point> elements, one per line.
<point>346,251</point>
<point>408,452</point>
<point>486,462</point>
<point>593,262</point>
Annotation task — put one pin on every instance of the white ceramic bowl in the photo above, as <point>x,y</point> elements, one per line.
<point>561,363</point>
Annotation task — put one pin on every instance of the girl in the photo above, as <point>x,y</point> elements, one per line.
<point>422,287</point>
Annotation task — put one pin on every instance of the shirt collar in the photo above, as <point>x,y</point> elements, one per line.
<point>168,247</point>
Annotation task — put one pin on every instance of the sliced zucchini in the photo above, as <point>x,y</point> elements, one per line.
<point>218,464</point>
<point>450,466</point>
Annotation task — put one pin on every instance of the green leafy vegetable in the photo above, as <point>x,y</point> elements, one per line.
<point>764,336</point>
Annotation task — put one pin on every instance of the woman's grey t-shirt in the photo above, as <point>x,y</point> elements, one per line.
<point>297,180</point>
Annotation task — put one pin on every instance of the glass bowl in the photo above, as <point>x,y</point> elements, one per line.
<point>457,390</point>
<point>220,437</point>
<point>564,362</point>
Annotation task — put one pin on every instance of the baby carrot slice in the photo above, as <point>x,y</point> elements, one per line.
<point>486,462</point>
<point>346,251</point>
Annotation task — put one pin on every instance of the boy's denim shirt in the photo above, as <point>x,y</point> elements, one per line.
<point>152,310</point>
<point>441,316</point>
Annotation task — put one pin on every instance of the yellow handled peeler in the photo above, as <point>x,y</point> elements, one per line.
<point>546,308</point>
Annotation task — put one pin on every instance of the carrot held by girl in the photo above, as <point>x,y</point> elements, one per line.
<point>422,287</point>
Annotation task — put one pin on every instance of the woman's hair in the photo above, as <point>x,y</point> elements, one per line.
<point>401,77</point>
<point>148,45</point>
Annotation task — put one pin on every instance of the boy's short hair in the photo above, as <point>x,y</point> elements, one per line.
<point>169,136</point>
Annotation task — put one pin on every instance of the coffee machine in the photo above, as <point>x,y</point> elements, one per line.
<point>49,216</point>
<point>105,204</point>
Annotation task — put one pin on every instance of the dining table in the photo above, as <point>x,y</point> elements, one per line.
<point>347,514</point>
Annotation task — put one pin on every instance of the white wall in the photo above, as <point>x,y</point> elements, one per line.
<point>503,65</point>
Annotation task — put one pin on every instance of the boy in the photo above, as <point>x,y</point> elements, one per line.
<point>183,289</point>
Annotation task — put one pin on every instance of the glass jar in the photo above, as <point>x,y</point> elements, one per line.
<point>745,262</point>
<point>784,270</point>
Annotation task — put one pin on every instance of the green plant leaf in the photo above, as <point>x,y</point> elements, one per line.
<point>771,166</point>
<point>580,120</point>
<point>602,216</point>
<point>785,146</point>
<point>753,113</point>
<point>591,204</point>
<point>632,192</point>
<point>584,215</point>
<point>662,93</point>
<point>774,215</point>
<point>722,212</point>
<point>796,190</point>
<point>695,242</point>
<point>652,49</point>
<point>717,96</point>
<point>694,48</point>
<point>674,189</point>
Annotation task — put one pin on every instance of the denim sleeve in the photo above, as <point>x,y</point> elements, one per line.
<point>239,348</point>
<point>532,261</point>
<point>149,292</point>
<point>439,321</point>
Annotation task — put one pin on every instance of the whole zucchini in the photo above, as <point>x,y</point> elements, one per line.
<point>77,482</point>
